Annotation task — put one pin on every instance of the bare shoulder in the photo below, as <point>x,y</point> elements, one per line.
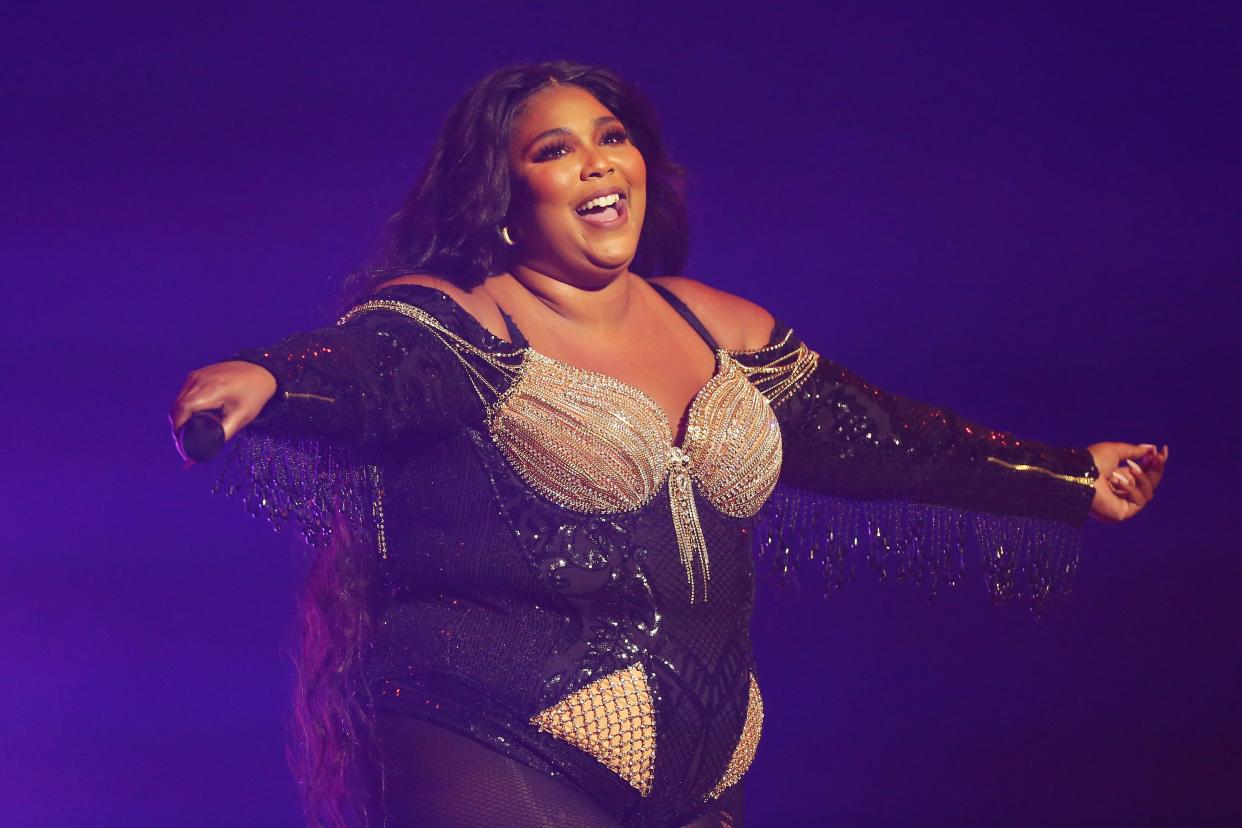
<point>736,323</point>
<point>477,303</point>
<point>427,280</point>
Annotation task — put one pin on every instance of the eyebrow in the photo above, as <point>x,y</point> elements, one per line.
<point>596,124</point>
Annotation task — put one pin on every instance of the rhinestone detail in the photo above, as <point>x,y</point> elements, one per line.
<point>612,719</point>
<point>747,743</point>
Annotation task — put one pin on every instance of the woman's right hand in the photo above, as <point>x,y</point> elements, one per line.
<point>237,389</point>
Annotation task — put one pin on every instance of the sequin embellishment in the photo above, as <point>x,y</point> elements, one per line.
<point>613,719</point>
<point>747,743</point>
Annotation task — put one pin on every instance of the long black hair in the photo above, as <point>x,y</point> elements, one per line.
<point>449,224</point>
<point>448,227</point>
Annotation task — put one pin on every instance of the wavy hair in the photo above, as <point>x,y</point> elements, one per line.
<point>448,227</point>
<point>449,224</point>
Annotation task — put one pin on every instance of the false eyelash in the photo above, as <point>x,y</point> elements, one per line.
<point>545,153</point>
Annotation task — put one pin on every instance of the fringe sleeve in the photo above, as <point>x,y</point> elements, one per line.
<point>309,484</point>
<point>911,488</point>
<point>345,395</point>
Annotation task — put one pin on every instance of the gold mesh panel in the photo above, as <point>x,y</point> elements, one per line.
<point>734,443</point>
<point>612,719</point>
<point>584,440</point>
<point>747,743</point>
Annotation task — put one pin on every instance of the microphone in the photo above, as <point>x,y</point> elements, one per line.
<point>201,437</point>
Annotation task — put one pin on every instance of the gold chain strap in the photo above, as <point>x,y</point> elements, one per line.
<point>507,362</point>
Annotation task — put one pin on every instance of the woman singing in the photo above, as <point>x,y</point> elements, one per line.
<point>533,464</point>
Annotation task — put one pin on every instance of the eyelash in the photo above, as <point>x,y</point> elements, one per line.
<point>546,153</point>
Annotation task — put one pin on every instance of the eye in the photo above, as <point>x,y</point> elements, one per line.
<point>551,151</point>
<point>560,149</point>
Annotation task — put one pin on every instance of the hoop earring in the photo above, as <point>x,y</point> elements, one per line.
<point>504,234</point>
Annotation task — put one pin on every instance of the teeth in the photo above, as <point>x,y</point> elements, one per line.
<point>602,201</point>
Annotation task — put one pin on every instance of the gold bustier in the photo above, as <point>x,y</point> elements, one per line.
<point>591,443</point>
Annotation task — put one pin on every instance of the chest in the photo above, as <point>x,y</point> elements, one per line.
<point>665,370</point>
<point>594,443</point>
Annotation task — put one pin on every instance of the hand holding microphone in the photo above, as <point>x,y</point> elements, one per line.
<point>215,403</point>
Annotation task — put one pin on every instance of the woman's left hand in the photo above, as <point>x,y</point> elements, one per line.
<point>1128,478</point>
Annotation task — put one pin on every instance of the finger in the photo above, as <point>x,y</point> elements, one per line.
<point>231,422</point>
<point>1110,505</point>
<point>178,414</point>
<point>235,417</point>
<point>1153,463</point>
<point>1125,488</point>
<point>1155,471</point>
<point>188,400</point>
<point>1141,480</point>
<point>201,396</point>
<point>186,406</point>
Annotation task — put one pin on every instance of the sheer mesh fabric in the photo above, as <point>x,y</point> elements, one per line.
<point>437,778</point>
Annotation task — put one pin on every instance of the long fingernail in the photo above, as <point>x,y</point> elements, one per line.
<point>1119,478</point>
<point>1134,466</point>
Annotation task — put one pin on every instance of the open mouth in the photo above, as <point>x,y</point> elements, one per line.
<point>605,210</point>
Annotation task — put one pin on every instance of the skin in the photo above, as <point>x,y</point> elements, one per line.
<point>573,295</point>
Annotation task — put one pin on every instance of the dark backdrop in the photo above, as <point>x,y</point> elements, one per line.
<point>1029,215</point>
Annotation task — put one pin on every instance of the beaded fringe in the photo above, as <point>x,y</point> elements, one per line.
<point>303,482</point>
<point>805,533</point>
<point>313,485</point>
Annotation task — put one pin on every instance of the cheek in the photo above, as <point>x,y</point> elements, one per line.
<point>635,169</point>
<point>549,192</point>
<point>634,166</point>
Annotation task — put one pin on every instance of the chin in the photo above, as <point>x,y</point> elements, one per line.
<point>610,261</point>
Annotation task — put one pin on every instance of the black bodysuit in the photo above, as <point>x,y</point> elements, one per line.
<point>563,584</point>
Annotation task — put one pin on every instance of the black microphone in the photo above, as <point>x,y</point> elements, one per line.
<point>201,437</point>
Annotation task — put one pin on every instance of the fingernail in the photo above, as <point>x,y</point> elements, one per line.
<point>1134,466</point>
<point>1120,479</point>
<point>1147,446</point>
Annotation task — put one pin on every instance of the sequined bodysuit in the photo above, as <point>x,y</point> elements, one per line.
<point>561,582</point>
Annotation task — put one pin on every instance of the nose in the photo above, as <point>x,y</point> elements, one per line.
<point>595,164</point>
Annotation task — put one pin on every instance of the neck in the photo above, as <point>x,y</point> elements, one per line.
<point>603,306</point>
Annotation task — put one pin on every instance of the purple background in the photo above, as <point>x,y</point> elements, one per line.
<point>1030,216</point>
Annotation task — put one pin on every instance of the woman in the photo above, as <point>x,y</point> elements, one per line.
<point>540,466</point>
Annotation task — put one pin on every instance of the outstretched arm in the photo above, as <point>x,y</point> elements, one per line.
<point>845,436</point>
<point>911,485</point>
<point>360,381</point>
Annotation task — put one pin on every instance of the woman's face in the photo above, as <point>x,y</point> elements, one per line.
<point>568,149</point>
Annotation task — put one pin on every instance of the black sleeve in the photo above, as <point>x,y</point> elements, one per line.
<point>371,377</point>
<point>317,454</point>
<point>844,436</point>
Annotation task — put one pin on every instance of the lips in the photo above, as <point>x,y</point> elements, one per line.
<point>600,193</point>
<point>609,216</point>
<point>604,208</point>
